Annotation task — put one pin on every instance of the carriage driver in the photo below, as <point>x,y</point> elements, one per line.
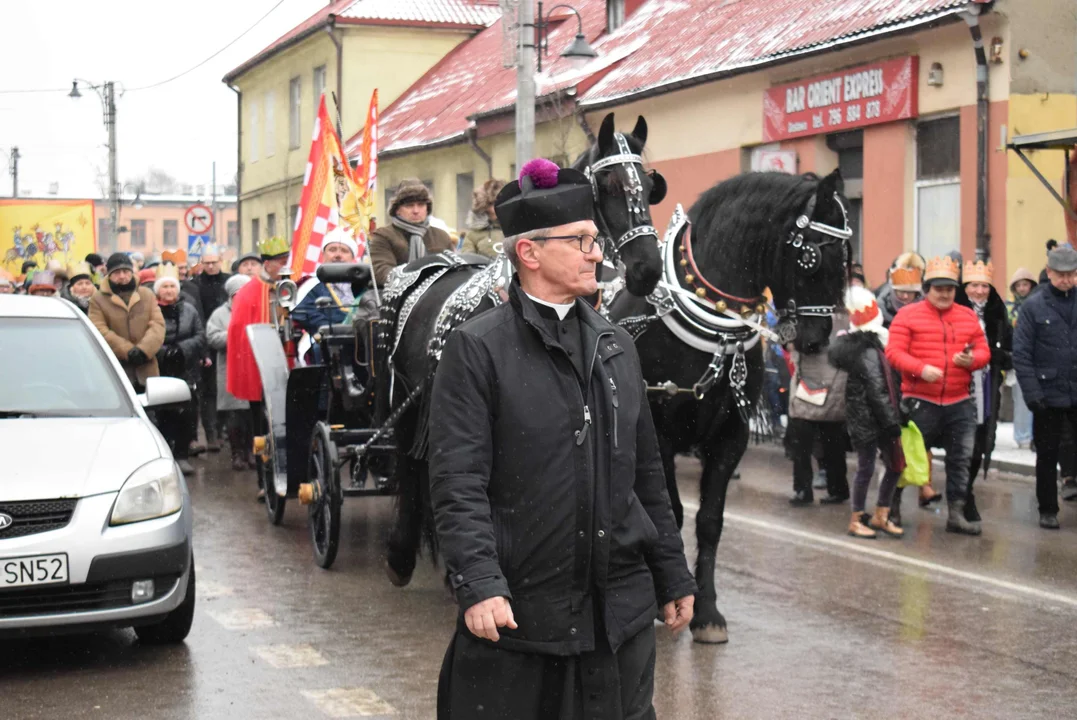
<point>547,487</point>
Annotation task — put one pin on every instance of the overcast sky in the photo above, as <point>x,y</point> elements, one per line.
<point>181,127</point>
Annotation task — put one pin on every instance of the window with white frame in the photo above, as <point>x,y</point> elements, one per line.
<point>254,135</point>
<point>938,186</point>
<point>270,135</point>
<point>294,112</point>
<point>319,83</point>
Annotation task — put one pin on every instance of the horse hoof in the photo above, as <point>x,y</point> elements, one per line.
<point>396,578</point>
<point>710,635</point>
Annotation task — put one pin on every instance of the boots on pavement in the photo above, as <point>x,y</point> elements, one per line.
<point>858,529</point>
<point>881,521</point>
<point>956,523</point>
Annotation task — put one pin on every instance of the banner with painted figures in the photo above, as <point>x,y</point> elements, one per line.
<point>44,230</point>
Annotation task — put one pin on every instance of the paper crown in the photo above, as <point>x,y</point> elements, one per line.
<point>911,279</point>
<point>942,268</point>
<point>79,271</point>
<point>979,272</point>
<point>167,271</point>
<point>176,257</point>
<point>862,306</point>
<point>273,247</point>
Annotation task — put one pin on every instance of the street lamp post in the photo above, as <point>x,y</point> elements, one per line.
<point>107,93</point>
<point>533,44</point>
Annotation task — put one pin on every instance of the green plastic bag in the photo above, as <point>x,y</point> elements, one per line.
<point>917,467</point>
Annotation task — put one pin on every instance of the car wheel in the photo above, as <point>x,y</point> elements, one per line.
<point>176,625</point>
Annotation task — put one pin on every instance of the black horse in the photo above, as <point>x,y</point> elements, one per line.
<point>755,231</point>
<point>622,194</point>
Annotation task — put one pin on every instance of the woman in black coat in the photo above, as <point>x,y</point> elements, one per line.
<point>180,356</point>
<point>980,295</point>
<point>872,399</point>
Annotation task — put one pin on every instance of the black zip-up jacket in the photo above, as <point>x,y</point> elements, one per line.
<point>872,400</point>
<point>546,496</point>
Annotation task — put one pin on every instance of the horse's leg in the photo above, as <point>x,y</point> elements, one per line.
<point>669,467</point>
<point>722,458</point>
<point>407,525</point>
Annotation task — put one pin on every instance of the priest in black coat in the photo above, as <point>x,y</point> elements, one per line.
<point>547,486</point>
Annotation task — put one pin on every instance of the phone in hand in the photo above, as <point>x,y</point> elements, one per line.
<point>968,348</point>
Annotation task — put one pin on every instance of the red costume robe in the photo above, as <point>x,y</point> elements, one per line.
<point>249,306</point>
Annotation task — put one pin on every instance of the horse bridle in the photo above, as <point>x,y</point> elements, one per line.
<point>807,257</point>
<point>633,194</point>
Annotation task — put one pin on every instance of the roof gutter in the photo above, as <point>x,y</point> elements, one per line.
<point>760,63</point>
<point>472,140</point>
<point>239,167</point>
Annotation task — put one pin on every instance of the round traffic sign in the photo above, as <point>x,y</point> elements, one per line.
<point>198,219</point>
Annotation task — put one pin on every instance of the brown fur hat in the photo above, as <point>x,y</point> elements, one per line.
<point>484,197</point>
<point>409,191</point>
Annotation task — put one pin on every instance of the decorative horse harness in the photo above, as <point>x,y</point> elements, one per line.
<point>701,317</point>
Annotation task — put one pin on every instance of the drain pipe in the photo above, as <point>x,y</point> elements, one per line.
<point>239,171</point>
<point>581,119</point>
<point>330,28</point>
<point>472,140</point>
<point>983,234</point>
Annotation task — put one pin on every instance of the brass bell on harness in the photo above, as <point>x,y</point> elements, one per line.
<point>701,293</point>
<point>746,311</point>
<point>761,309</point>
<point>721,306</point>
<point>689,278</point>
<point>684,262</point>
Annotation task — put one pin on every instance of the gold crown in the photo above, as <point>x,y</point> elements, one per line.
<point>909,278</point>
<point>979,272</point>
<point>942,268</point>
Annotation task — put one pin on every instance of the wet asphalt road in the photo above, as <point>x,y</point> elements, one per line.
<point>821,625</point>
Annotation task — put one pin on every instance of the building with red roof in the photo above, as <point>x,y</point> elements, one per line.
<point>884,89</point>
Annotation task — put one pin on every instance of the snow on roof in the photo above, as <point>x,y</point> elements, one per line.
<point>470,81</point>
<point>691,40</point>
<point>663,44</point>
<point>466,14</point>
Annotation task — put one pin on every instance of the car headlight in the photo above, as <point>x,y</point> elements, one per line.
<point>152,491</point>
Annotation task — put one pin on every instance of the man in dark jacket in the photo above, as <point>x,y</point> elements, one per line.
<point>408,236</point>
<point>1045,357</point>
<point>547,486</point>
<point>210,286</point>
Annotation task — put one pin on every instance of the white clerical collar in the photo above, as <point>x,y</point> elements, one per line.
<point>562,309</point>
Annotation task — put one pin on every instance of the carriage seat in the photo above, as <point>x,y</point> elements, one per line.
<point>358,274</point>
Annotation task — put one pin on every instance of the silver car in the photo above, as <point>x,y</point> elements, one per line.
<point>95,517</point>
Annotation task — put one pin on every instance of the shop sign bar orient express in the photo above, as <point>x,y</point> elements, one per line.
<point>866,95</point>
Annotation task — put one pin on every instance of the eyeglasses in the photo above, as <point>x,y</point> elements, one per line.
<point>586,241</point>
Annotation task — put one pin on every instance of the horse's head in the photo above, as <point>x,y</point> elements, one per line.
<point>815,260</point>
<point>624,193</point>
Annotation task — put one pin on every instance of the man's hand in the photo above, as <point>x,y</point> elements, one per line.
<point>931,374</point>
<point>136,357</point>
<point>679,613</point>
<point>963,359</point>
<point>483,619</point>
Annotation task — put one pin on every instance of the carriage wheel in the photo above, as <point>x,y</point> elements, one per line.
<point>324,476</point>
<point>266,473</point>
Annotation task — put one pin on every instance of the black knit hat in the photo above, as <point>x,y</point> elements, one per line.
<point>119,261</point>
<point>27,265</point>
<point>94,260</point>
<point>545,196</point>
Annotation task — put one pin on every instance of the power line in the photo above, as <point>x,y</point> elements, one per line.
<point>163,82</point>
<point>192,69</point>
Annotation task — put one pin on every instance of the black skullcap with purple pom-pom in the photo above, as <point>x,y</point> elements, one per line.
<point>545,196</point>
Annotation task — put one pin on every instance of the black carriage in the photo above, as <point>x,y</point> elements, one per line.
<point>330,425</point>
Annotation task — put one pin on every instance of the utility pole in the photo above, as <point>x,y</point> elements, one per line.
<point>113,172</point>
<point>213,203</point>
<point>525,85</point>
<point>15,171</point>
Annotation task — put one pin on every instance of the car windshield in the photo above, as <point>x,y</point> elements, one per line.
<point>56,368</point>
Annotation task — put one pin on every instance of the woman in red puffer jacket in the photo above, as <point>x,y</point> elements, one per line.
<point>936,345</point>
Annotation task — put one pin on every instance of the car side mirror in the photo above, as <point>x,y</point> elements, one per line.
<point>161,391</point>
